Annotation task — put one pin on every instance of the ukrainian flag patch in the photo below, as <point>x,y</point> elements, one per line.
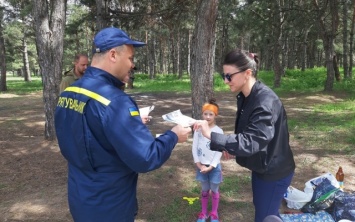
<point>133,111</point>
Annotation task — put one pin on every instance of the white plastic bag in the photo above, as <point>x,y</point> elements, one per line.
<point>295,198</point>
<point>312,183</point>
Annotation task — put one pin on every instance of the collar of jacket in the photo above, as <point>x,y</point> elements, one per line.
<point>255,87</point>
<point>103,75</point>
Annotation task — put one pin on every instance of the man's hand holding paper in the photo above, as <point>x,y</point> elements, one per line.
<point>144,113</point>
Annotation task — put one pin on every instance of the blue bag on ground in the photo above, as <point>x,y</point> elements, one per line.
<point>344,206</point>
<point>320,216</point>
<point>323,197</point>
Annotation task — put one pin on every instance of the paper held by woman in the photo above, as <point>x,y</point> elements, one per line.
<point>179,118</point>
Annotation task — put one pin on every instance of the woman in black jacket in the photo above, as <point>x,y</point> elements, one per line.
<point>260,141</point>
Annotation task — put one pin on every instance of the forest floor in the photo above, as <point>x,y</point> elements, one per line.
<point>33,173</point>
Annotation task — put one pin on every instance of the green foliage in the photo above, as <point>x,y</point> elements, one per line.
<point>77,31</point>
<point>20,87</point>
<point>329,128</point>
<point>347,85</point>
<point>162,83</point>
<point>311,80</point>
<point>172,83</point>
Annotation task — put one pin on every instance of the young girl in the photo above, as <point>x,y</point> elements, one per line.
<point>209,171</point>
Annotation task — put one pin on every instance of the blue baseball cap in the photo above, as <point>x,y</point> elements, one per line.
<point>109,38</point>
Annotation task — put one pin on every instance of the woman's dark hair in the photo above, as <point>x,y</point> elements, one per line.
<point>243,60</point>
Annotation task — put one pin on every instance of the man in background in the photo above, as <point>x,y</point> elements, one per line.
<point>80,63</point>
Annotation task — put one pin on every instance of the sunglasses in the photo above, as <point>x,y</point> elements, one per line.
<point>229,76</point>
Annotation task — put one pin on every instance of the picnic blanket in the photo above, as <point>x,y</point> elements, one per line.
<point>308,217</point>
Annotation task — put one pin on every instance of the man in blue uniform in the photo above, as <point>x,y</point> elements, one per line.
<point>102,136</point>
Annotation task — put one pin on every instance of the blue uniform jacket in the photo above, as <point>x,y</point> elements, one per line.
<point>101,135</point>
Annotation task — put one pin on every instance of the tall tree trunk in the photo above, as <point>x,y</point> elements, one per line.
<point>102,18</point>
<point>162,55</point>
<point>285,50</point>
<point>223,46</point>
<point>304,52</point>
<point>345,39</point>
<point>26,64</point>
<point>189,52</point>
<point>329,54</point>
<point>328,26</point>
<point>312,54</point>
<point>336,68</point>
<point>151,53</point>
<point>179,53</point>
<point>3,86</point>
<point>267,56</point>
<point>277,34</point>
<point>202,55</point>
<point>173,51</point>
<point>351,43</point>
<point>49,18</point>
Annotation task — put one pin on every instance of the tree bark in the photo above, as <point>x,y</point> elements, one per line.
<point>277,34</point>
<point>173,52</point>
<point>351,43</point>
<point>345,39</point>
<point>3,86</point>
<point>101,14</point>
<point>202,55</point>
<point>151,56</point>
<point>179,54</point>
<point>329,54</point>
<point>189,52</point>
<point>336,68</point>
<point>49,19</point>
<point>26,64</point>
<point>328,28</point>
<point>304,52</point>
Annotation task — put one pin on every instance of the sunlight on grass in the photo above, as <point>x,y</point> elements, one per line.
<point>337,107</point>
<point>330,126</point>
<point>171,83</point>
<point>311,80</point>
<point>231,185</point>
<point>21,87</point>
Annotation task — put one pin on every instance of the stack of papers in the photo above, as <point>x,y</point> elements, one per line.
<point>179,118</point>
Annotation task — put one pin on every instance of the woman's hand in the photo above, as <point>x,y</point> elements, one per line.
<point>203,126</point>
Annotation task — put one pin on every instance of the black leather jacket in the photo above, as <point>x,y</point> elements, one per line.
<point>261,139</point>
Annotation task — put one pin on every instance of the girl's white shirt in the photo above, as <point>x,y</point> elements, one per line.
<point>201,149</point>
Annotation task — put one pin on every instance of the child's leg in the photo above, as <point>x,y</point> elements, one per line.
<point>204,197</point>
<point>215,198</point>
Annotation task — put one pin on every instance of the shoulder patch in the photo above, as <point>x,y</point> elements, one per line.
<point>133,111</point>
